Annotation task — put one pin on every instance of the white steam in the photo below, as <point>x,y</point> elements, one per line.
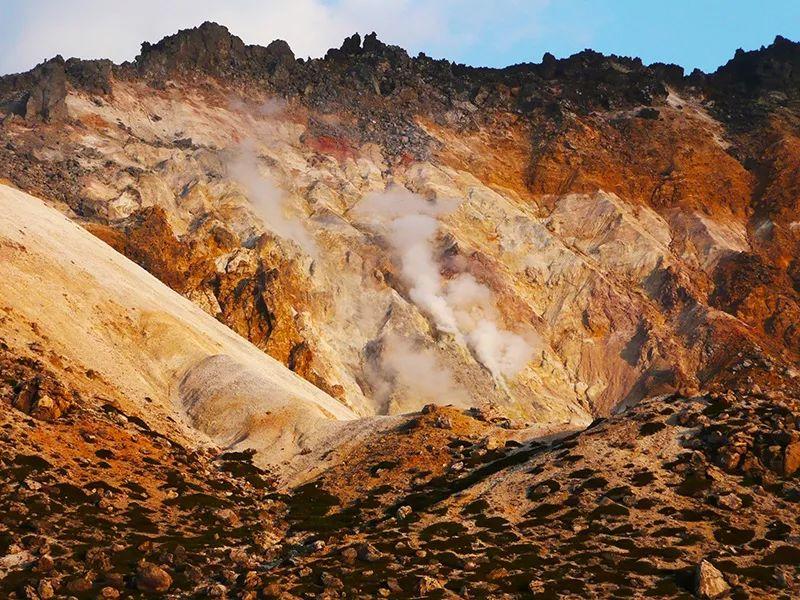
<point>416,371</point>
<point>502,352</point>
<point>462,306</point>
<point>271,107</point>
<point>268,201</point>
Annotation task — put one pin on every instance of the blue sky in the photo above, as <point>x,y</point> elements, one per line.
<point>700,33</point>
<point>496,33</point>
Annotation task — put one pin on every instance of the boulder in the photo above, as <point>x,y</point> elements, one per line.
<point>152,579</point>
<point>709,582</point>
<point>791,459</point>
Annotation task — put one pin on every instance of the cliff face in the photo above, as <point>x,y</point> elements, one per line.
<point>622,222</point>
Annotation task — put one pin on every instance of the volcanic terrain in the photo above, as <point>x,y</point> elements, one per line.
<point>375,325</point>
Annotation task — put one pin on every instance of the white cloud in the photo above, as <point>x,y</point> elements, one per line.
<point>39,29</point>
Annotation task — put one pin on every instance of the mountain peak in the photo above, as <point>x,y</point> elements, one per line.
<point>211,49</point>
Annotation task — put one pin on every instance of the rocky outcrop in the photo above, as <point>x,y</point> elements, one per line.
<point>210,49</point>
<point>28,386</point>
<point>658,257</point>
<point>93,76</point>
<point>38,94</point>
<point>753,84</point>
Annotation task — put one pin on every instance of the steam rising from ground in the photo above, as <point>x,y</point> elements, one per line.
<point>502,352</point>
<point>462,306</point>
<point>268,201</point>
<point>414,370</point>
<point>268,108</point>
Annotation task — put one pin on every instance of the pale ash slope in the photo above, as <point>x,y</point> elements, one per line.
<point>90,309</point>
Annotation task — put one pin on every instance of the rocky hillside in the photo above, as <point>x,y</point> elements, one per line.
<point>464,264</point>
<point>611,225</point>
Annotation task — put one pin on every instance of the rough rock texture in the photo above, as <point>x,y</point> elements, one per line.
<point>627,508</point>
<point>710,583</point>
<point>631,232</point>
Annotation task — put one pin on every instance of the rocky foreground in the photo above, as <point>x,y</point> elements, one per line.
<point>678,497</point>
<point>375,325</point>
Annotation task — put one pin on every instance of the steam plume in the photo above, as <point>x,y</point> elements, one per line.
<point>463,306</point>
<point>269,202</point>
<point>416,371</point>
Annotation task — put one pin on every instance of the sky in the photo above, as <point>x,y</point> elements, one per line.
<point>691,33</point>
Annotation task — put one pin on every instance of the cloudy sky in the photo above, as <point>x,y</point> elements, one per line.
<point>693,33</point>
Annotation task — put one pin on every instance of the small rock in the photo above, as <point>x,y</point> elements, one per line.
<point>369,553</point>
<point>730,501</point>
<point>729,458</point>
<point>791,459</point>
<point>217,590</point>
<point>394,585</point>
<point>46,409</point>
<point>329,581</point>
<point>251,580</point>
<point>153,579</point>
<point>45,589</point>
<point>709,582</point>
<point>98,559</point>
<point>443,422</point>
<point>403,512</point>
<point>239,556</point>
<point>428,584</point>
<point>45,563</point>
<point>536,586</point>
<point>229,517</point>
<point>349,555</point>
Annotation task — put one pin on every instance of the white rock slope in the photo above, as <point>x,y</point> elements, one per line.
<point>170,361</point>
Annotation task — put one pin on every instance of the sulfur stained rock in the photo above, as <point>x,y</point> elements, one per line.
<point>641,239</point>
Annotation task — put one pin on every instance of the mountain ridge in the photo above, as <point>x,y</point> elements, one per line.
<point>213,50</point>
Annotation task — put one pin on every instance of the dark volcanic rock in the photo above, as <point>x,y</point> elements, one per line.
<point>38,94</point>
<point>753,84</point>
<point>94,76</point>
<point>211,49</point>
